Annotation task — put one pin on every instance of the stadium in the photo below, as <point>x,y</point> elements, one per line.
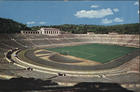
<point>69,46</point>
<point>72,58</point>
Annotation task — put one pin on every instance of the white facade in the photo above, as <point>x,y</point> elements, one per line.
<point>49,31</point>
<point>44,31</point>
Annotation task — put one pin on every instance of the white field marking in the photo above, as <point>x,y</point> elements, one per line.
<point>91,56</point>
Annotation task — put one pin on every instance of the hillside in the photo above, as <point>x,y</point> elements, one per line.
<point>10,26</point>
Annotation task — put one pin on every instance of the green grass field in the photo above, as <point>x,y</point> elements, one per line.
<point>96,52</point>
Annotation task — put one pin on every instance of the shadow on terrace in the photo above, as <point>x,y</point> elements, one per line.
<point>37,85</point>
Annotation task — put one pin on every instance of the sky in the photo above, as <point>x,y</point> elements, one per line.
<point>36,13</point>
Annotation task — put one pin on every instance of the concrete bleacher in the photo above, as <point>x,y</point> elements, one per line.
<point>21,41</point>
<point>10,41</point>
<point>38,40</point>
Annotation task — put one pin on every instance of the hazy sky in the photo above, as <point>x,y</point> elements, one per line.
<point>71,12</point>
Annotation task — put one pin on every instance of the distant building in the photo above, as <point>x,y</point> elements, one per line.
<point>43,31</point>
<point>30,32</point>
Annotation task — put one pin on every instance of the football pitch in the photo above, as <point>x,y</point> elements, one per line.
<point>96,52</point>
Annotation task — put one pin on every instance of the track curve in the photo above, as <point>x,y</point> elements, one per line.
<point>113,64</point>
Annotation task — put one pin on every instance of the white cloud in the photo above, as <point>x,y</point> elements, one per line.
<point>106,21</point>
<point>118,20</point>
<point>116,10</point>
<point>93,13</point>
<point>138,11</point>
<point>31,22</point>
<point>94,6</point>
<point>42,22</point>
<point>136,3</point>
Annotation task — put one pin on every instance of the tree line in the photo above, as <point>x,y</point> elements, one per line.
<point>10,26</point>
<point>98,29</point>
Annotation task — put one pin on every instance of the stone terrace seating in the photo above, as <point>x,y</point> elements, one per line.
<point>20,40</point>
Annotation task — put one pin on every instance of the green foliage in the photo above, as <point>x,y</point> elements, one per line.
<point>126,28</point>
<point>98,29</point>
<point>10,26</point>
